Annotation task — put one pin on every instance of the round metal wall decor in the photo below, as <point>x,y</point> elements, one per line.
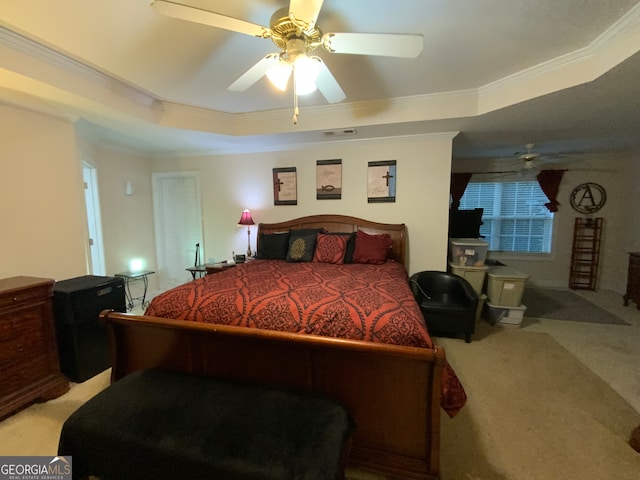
<point>588,198</point>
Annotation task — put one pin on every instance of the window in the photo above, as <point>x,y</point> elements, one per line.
<point>515,218</point>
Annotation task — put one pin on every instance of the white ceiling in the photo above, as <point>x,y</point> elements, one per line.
<point>562,74</point>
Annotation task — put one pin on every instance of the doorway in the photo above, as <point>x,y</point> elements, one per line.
<point>92,203</point>
<point>178,224</point>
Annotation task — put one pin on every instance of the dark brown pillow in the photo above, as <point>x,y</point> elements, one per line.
<point>371,248</point>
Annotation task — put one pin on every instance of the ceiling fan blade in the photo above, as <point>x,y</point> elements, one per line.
<point>198,15</point>
<point>384,44</point>
<point>304,13</point>
<point>255,73</point>
<point>328,85</point>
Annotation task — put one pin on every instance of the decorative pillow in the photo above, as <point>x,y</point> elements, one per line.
<point>302,244</point>
<point>306,231</point>
<point>371,248</point>
<point>273,246</point>
<point>330,248</point>
<point>351,243</point>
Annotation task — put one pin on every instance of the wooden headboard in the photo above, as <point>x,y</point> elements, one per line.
<point>345,224</point>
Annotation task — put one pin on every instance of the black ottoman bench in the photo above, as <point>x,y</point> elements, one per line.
<point>159,425</point>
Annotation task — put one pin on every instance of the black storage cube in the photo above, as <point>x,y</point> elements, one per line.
<point>83,344</point>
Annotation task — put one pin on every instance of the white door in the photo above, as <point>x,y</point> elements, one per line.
<point>178,223</point>
<point>93,219</point>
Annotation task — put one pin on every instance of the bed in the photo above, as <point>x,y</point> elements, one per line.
<point>351,331</point>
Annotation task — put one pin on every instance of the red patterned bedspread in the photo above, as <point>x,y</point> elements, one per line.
<point>355,301</point>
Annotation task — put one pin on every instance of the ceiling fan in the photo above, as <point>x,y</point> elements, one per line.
<point>526,164</point>
<point>295,32</point>
<point>529,162</point>
<point>528,157</point>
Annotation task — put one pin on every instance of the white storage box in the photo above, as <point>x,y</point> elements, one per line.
<point>474,275</point>
<point>506,286</point>
<point>505,316</point>
<point>469,252</point>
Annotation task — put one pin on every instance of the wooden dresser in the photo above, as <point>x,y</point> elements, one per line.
<point>29,366</point>
<point>633,280</point>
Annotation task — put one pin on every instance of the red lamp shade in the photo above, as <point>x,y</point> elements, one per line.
<point>246,219</point>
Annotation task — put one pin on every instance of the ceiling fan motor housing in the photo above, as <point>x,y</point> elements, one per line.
<point>284,29</point>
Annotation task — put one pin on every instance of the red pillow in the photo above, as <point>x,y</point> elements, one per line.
<point>330,248</point>
<point>371,248</point>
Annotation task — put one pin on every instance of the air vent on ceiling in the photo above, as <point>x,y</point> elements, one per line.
<point>340,133</point>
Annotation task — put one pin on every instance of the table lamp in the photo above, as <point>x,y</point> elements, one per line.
<point>246,219</point>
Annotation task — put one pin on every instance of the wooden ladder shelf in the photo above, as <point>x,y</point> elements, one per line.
<point>585,254</point>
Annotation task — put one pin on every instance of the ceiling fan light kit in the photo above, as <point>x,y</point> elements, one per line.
<point>305,74</point>
<point>295,33</point>
<point>295,60</point>
<point>279,75</point>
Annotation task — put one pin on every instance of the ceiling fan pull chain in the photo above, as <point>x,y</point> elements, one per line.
<point>296,112</point>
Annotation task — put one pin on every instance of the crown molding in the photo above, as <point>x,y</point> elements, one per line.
<point>583,65</point>
<point>60,60</point>
<point>627,24</point>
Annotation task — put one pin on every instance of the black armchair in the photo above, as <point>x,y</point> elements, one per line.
<point>447,301</point>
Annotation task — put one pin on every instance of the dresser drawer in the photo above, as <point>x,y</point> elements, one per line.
<point>28,373</point>
<point>32,326</point>
<point>8,349</point>
<point>24,296</point>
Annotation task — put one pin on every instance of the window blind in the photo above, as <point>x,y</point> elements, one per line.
<point>515,218</point>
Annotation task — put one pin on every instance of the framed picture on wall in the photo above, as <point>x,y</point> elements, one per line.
<point>381,181</point>
<point>329,179</point>
<point>285,189</point>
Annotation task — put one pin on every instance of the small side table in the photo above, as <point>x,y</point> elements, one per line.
<point>197,271</point>
<point>132,277</point>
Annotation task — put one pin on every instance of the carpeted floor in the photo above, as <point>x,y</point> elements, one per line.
<point>534,412</point>
<point>565,305</point>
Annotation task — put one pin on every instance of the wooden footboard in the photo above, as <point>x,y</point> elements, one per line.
<point>392,392</point>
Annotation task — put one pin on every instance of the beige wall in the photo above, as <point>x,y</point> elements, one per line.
<point>231,183</point>
<point>42,209</point>
<point>44,221</point>
<point>43,199</point>
<point>127,220</point>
